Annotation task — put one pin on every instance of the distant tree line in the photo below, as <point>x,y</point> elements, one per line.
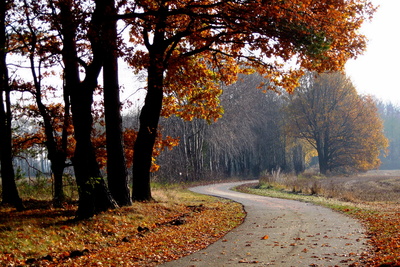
<point>390,114</point>
<point>260,133</point>
<point>265,132</point>
<point>247,140</point>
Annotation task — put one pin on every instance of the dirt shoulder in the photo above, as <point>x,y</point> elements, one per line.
<point>283,233</point>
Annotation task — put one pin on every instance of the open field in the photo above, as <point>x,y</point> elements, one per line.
<point>374,186</point>
<point>373,198</point>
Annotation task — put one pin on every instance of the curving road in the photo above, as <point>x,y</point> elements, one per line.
<point>296,234</point>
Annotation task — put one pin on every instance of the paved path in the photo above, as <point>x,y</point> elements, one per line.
<point>299,234</point>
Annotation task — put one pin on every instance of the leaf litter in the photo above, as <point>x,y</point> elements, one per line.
<point>144,234</point>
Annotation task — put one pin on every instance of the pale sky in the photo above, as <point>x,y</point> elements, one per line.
<point>377,72</point>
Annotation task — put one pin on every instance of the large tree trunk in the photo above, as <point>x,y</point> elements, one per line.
<point>94,196</point>
<point>322,158</point>
<point>150,114</point>
<point>149,117</point>
<point>117,174</point>
<point>57,167</point>
<point>9,193</point>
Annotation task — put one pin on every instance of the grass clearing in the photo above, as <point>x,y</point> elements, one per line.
<point>144,234</point>
<point>372,199</point>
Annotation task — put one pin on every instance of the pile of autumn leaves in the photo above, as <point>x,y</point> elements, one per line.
<point>382,223</point>
<point>145,234</point>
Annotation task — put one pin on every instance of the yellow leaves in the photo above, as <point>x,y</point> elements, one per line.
<point>327,108</point>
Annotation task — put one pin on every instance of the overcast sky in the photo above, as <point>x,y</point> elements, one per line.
<point>377,72</point>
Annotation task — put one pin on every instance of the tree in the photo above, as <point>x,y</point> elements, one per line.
<point>116,167</point>
<point>9,193</point>
<point>203,38</point>
<point>94,196</point>
<point>42,51</point>
<point>343,127</point>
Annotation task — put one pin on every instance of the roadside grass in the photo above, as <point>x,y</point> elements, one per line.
<point>380,214</point>
<point>179,222</point>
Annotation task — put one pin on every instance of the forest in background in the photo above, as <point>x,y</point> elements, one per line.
<point>254,138</point>
<point>250,140</point>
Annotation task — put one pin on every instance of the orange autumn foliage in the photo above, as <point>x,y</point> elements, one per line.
<point>205,42</point>
<point>343,127</point>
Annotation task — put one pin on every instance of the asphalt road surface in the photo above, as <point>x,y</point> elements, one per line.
<point>279,232</point>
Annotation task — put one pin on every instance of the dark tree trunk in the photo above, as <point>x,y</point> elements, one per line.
<point>57,167</point>
<point>117,174</point>
<point>94,196</point>
<point>322,159</point>
<point>298,159</point>
<point>9,193</point>
<point>323,166</point>
<point>150,113</point>
<point>61,156</point>
<point>149,117</point>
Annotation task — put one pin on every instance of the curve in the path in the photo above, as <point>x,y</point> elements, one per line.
<point>280,232</point>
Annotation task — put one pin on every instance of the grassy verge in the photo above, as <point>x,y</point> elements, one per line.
<point>145,234</point>
<point>381,219</point>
